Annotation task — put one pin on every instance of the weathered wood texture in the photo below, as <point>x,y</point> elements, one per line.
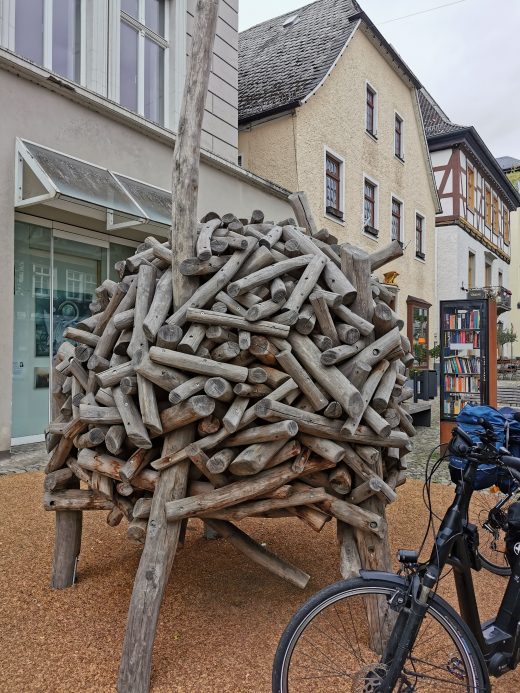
<point>268,383</point>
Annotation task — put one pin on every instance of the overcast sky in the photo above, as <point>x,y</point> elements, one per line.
<point>466,54</point>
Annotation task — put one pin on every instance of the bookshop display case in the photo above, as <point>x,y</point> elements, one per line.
<point>464,339</point>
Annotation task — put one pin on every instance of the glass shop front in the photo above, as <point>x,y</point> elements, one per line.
<point>56,272</point>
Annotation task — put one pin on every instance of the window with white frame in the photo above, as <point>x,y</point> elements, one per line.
<point>90,285</point>
<point>48,32</point>
<point>142,58</point>
<point>370,207</point>
<point>371,110</point>
<point>74,284</point>
<point>41,280</point>
<point>419,237</point>
<point>398,137</point>
<point>397,220</point>
<point>333,186</point>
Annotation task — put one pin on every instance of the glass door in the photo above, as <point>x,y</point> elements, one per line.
<point>32,326</point>
<point>79,266</point>
<point>56,274</point>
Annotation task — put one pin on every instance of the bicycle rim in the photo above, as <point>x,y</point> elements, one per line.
<point>330,648</point>
<point>491,525</point>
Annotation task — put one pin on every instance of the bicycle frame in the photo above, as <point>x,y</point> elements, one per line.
<point>456,545</point>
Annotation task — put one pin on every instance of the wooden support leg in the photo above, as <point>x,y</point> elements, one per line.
<point>67,545</point>
<point>349,561</point>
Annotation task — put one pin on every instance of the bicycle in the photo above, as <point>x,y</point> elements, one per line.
<point>383,632</point>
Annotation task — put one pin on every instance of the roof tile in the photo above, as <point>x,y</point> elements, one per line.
<point>279,66</point>
<point>436,122</point>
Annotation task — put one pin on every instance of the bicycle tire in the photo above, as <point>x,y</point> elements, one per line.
<point>379,585</point>
<point>493,556</point>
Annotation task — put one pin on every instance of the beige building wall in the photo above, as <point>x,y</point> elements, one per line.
<point>334,118</point>
<point>269,149</point>
<point>512,318</point>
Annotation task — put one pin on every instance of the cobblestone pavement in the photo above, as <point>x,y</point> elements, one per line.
<point>425,441</point>
<point>24,458</point>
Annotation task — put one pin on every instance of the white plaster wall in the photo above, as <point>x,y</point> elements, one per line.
<point>50,119</point>
<point>453,248</point>
<point>441,157</point>
<point>512,318</point>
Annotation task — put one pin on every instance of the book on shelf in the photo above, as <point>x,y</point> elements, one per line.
<point>453,406</point>
<point>462,364</point>
<point>454,383</point>
<point>462,339</point>
<point>462,320</point>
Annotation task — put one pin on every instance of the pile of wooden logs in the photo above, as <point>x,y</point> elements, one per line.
<point>287,360</point>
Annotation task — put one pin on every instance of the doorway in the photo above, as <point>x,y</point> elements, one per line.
<point>56,274</point>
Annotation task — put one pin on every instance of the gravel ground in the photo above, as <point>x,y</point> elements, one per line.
<point>221,618</point>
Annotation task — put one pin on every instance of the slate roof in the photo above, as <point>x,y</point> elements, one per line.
<point>506,163</point>
<point>279,66</point>
<point>436,122</point>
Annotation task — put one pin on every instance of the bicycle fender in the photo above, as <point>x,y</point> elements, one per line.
<point>381,575</point>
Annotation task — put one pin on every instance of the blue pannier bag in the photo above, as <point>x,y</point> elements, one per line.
<point>513,434</point>
<point>487,474</point>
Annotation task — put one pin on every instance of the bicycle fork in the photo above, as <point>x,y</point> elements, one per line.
<point>406,629</point>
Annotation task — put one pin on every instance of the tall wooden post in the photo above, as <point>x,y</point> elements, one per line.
<point>162,537</point>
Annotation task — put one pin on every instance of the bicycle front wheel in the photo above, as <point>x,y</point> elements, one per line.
<point>488,510</point>
<point>334,643</point>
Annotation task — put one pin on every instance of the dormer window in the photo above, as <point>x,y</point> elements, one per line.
<point>290,21</point>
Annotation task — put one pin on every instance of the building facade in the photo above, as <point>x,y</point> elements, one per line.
<point>511,167</point>
<point>474,227</point>
<point>90,100</point>
<point>328,107</point>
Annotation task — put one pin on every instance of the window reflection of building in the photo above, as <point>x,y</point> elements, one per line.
<point>418,330</point>
<point>41,280</point>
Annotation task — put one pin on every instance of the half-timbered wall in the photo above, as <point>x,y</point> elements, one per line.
<point>470,198</point>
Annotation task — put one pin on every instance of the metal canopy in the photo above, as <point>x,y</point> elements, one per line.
<point>44,175</point>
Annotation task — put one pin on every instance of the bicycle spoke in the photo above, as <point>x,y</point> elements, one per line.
<point>437,679</point>
<point>335,650</point>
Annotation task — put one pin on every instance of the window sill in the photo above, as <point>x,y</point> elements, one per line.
<point>335,213</point>
<point>420,256</point>
<point>372,135</point>
<point>336,220</point>
<point>399,158</point>
<point>371,231</point>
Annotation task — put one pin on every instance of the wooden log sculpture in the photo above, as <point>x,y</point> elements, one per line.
<point>277,428</point>
<point>267,383</point>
